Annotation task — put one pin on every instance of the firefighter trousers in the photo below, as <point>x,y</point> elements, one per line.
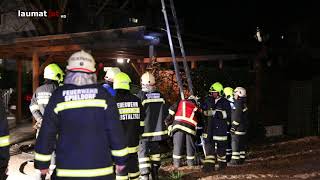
<point>215,152</point>
<point>131,170</point>
<point>229,148</point>
<point>149,156</point>
<point>182,139</point>
<point>239,147</point>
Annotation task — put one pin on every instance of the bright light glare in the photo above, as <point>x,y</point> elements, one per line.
<point>120,60</point>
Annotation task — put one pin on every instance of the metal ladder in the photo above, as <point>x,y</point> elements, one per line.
<point>175,27</point>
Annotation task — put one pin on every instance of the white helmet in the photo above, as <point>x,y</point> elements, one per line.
<point>240,91</point>
<point>148,81</point>
<point>81,61</point>
<point>111,72</point>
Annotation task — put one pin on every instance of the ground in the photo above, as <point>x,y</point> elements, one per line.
<point>285,159</point>
<point>293,159</point>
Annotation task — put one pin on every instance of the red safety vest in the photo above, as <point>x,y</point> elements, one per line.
<point>186,113</point>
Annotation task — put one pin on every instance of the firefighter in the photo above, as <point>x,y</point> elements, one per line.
<point>53,76</point>
<point>228,94</point>
<point>182,121</point>
<point>154,127</point>
<point>109,77</point>
<point>4,141</point>
<point>239,126</point>
<point>82,119</point>
<point>132,119</point>
<point>218,112</point>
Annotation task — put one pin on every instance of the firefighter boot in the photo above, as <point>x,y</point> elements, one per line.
<point>155,173</point>
<point>222,165</point>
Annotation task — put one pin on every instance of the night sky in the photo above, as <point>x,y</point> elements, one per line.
<point>210,16</point>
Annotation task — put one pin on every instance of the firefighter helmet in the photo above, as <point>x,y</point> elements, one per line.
<point>216,87</point>
<point>111,72</point>
<point>81,61</point>
<point>121,81</point>
<point>147,81</point>
<point>53,72</point>
<point>240,91</point>
<point>228,92</point>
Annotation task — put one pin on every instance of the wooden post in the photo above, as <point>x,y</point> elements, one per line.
<point>193,65</point>
<point>35,68</point>
<point>19,92</point>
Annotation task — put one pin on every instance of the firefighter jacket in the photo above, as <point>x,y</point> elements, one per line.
<point>185,117</point>
<point>82,122</point>
<point>155,112</point>
<point>4,138</point>
<point>40,100</point>
<point>239,117</point>
<point>218,113</point>
<point>131,117</point>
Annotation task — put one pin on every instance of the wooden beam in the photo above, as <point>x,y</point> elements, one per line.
<point>136,68</point>
<point>19,91</point>
<point>35,70</point>
<point>202,58</point>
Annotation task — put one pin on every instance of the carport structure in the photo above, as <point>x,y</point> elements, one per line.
<point>135,43</point>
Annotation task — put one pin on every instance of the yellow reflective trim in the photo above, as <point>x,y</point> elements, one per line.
<point>153,101</point>
<point>120,153</point>
<point>172,113</point>
<point>187,119</point>
<point>141,123</point>
<point>191,157</point>
<point>210,157</point>
<point>220,138</point>
<point>129,110</point>
<point>176,156</point>
<point>134,174</point>
<point>236,153</point>
<point>42,157</point>
<point>178,126</point>
<point>144,165</point>
<point>239,133</point>
<point>235,157</point>
<point>84,172</point>
<point>235,123</point>
<point>34,107</point>
<point>204,135</point>
<point>155,155</point>
<point>242,156</point>
<point>209,161</point>
<point>159,133</point>
<point>242,152</point>
<point>155,159</point>
<point>121,177</point>
<point>132,150</point>
<point>80,104</point>
<point>144,159</point>
<point>4,141</point>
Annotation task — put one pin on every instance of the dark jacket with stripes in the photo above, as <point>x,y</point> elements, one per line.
<point>239,116</point>
<point>218,114</point>
<point>131,117</point>
<point>4,137</point>
<point>82,122</point>
<point>155,112</point>
<point>40,100</point>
